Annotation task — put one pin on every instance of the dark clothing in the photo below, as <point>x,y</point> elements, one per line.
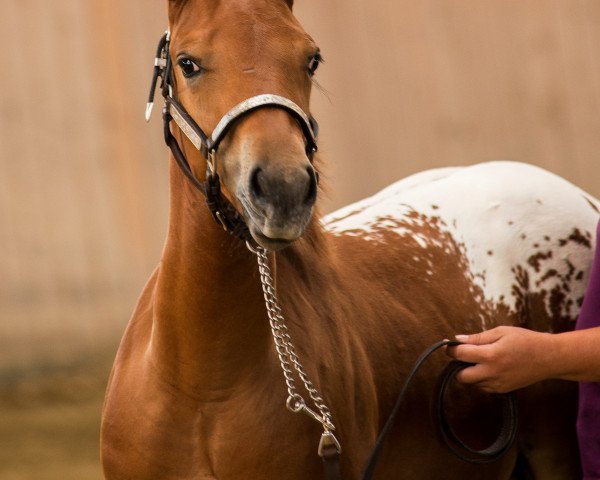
<point>588,421</point>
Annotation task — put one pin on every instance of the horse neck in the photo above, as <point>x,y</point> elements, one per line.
<point>209,320</point>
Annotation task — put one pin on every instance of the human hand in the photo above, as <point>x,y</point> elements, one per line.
<point>506,358</point>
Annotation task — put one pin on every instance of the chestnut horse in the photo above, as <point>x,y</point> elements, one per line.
<point>196,390</point>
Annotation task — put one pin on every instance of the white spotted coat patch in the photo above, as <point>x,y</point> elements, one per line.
<point>510,219</point>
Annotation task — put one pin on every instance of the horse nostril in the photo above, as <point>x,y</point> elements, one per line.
<point>255,180</point>
<point>269,187</point>
<point>313,180</point>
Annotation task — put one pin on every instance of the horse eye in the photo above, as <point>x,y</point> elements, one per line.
<point>314,62</point>
<point>189,67</point>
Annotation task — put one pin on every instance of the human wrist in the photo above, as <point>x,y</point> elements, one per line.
<point>550,354</point>
<point>558,352</point>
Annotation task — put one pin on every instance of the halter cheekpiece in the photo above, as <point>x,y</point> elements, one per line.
<point>222,210</point>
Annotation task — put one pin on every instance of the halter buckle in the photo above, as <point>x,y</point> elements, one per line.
<point>295,403</point>
<point>212,161</point>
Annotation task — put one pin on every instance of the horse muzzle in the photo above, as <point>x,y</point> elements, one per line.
<point>278,203</point>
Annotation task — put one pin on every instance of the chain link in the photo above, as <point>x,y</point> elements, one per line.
<point>286,352</point>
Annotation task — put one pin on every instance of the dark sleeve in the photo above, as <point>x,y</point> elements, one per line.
<point>589,316</point>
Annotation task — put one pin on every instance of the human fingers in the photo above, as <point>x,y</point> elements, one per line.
<point>473,375</point>
<point>483,338</point>
<point>483,379</point>
<point>469,353</point>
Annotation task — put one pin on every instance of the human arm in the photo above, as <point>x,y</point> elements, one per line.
<point>508,358</point>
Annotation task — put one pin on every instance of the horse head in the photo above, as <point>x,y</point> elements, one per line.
<point>224,53</point>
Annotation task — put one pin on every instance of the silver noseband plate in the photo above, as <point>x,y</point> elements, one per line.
<point>255,102</point>
<point>240,109</point>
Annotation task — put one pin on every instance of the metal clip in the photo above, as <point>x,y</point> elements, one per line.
<point>252,249</point>
<point>328,439</point>
<point>295,403</point>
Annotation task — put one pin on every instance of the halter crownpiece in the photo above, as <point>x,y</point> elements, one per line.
<point>224,213</point>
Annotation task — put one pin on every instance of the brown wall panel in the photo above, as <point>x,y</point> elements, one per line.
<point>407,85</point>
<point>415,85</point>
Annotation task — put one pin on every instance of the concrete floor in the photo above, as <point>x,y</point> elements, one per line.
<point>50,424</point>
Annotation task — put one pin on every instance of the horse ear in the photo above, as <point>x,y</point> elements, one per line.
<point>290,3</point>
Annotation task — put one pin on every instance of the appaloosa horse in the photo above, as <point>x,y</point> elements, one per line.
<point>196,390</point>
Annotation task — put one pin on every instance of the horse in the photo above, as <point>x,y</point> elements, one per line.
<point>196,390</point>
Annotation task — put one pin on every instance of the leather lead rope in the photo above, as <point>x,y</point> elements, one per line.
<point>498,448</point>
<point>503,441</point>
<point>331,463</point>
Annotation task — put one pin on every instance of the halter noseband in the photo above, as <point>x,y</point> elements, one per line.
<point>222,210</point>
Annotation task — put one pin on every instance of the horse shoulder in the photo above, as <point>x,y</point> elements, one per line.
<point>127,435</point>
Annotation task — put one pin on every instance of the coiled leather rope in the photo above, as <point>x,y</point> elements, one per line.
<point>490,454</point>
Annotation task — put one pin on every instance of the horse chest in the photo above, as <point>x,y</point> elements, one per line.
<point>155,432</point>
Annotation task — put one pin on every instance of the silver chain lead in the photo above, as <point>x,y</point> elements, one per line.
<point>288,357</point>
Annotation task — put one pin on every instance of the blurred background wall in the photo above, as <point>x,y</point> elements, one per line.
<point>406,86</point>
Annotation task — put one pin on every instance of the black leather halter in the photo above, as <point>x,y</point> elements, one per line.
<point>222,210</point>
